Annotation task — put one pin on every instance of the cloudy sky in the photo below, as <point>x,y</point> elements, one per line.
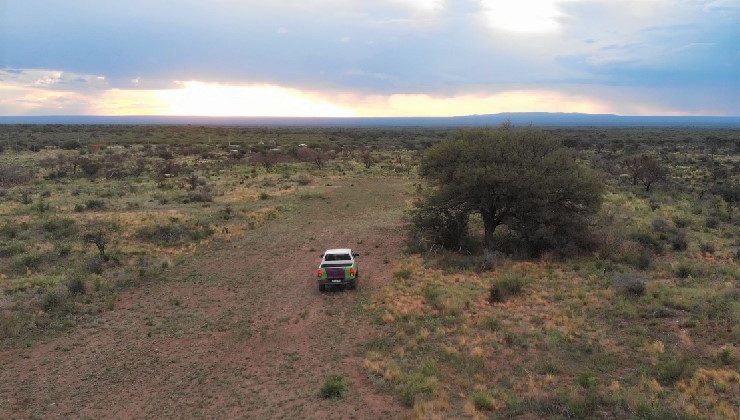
<point>369,58</point>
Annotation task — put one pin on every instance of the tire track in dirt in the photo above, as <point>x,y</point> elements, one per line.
<point>239,330</point>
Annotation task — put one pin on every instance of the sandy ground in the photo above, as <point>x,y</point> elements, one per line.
<point>239,330</point>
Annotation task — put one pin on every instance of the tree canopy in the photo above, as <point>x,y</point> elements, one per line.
<point>517,177</point>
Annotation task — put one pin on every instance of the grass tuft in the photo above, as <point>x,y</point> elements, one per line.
<point>334,387</point>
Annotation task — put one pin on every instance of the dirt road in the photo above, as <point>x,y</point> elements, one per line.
<point>239,330</point>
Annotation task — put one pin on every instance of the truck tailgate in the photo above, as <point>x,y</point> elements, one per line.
<point>335,273</point>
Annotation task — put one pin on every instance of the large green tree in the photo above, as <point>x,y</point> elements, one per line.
<point>518,177</point>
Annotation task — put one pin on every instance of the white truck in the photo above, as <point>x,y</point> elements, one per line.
<point>338,267</point>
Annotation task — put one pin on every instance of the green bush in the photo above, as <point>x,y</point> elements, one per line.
<point>53,298</point>
<point>707,248</point>
<point>10,249</point>
<point>402,274</point>
<point>30,260</point>
<point>174,233</point>
<point>95,264</point>
<point>76,285</point>
<point>11,324</point>
<point>415,385</point>
<point>661,225</point>
<point>631,283</point>
<point>678,240</point>
<point>509,284</point>
<point>726,357</point>
<point>669,371</point>
<point>482,401</point>
<point>681,222</point>
<point>60,228</point>
<point>201,195</point>
<point>686,270</point>
<point>9,230</point>
<point>334,387</point>
<point>647,239</point>
<point>95,204</point>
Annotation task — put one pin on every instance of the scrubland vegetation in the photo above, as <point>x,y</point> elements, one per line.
<point>82,222</point>
<point>595,280</point>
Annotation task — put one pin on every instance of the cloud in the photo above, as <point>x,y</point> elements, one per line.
<point>523,16</point>
<point>52,79</point>
<point>438,48</point>
<point>218,99</point>
<point>424,6</point>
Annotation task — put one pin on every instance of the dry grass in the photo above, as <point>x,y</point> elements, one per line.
<point>569,344</point>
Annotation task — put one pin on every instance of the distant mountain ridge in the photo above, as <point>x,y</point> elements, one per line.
<point>545,119</point>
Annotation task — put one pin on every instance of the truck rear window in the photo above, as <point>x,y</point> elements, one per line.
<point>337,264</point>
<point>337,257</point>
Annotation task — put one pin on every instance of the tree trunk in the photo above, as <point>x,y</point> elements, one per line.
<point>490,222</point>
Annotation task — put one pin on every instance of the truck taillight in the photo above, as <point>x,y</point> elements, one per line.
<point>319,273</point>
<point>352,271</point>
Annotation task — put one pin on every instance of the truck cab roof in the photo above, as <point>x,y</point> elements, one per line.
<point>338,251</point>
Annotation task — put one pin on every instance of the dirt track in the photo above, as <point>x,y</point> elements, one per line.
<point>239,330</point>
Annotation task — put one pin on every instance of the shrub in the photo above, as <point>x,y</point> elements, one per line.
<point>11,175</point>
<point>646,169</point>
<point>635,255</point>
<point>60,228</point>
<point>174,233</point>
<point>712,222</point>
<point>70,144</point>
<point>678,240</point>
<point>334,387</point>
<point>508,285</point>
<point>11,324</point>
<point>631,283</point>
<point>482,401</point>
<point>30,260</point>
<point>303,179</point>
<point>724,306</point>
<point>661,225</point>
<point>97,233</point>
<point>669,371</point>
<point>62,250</point>
<point>201,195</point>
<point>586,380</point>
<point>686,270</point>
<point>264,196</point>
<point>76,285</point>
<point>434,224</point>
<point>681,222</point>
<point>41,207</point>
<point>94,264</point>
<point>89,167</point>
<point>10,249</point>
<point>452,262</point>
<point>94,204</point>
<point>647,239</point>
<point>491,259</point>
<point>53,298</point>
<point>707,248</point>
<point>415,385</point>
<point>9,230</point>
<point>726,356</point>
<point>402,274</point>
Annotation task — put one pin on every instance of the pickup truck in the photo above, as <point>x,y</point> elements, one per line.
<point>338,266</point>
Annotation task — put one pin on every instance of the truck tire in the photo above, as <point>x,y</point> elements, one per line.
<point>322,288</point>
<point>353,284</point>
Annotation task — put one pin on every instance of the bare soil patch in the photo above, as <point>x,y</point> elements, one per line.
<point>239,329</point>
